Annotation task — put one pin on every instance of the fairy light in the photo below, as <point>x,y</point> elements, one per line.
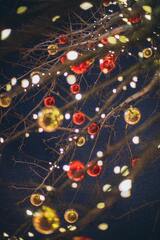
<point>107,188</point>
<point>86,6</point>
<point>125,185</point>
<point>72,55</point>
<point>29,212</point>
<point>103,226</point>
<point>5,33</point>
<point>78,96</point>
<point>135,140</point>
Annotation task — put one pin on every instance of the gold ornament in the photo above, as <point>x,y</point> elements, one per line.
<point>80,141</point>
<point>52,49</point>
<point>50,119</point>
<point>71,215</point>
<point>5,102</point>
<point>147,52</point>
<point>37,199</point>
<point>46,220</point>
<point>132,116</point>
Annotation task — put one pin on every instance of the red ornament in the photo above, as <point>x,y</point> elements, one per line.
<point>134,162</point>
<point>49,101</point>
<point>75,88</point>
<point>94,169</point>
<point>134,20</point>
<point>62,40</point>
<point>105,3</point>
<point>81,238</point>
<point>76,171</point>
<point>104,40</point>
<point>107,64</point>
<point>93,128</point>
<point>82,67</point>
<point>63,59</point>
<point>78,118</point>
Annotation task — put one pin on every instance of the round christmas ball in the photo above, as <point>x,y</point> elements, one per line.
<point>78,118</point>
<point>76,171</point>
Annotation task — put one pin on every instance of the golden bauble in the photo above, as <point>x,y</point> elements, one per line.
<point>52,49</point>
<point>147,52</point>
<point>50,119</point>
<point>71,215</point>
<point>5,102</point>
<point>46,220</point>
<point>80,141</point>
<point>132,115</point>
<point>37,199</point>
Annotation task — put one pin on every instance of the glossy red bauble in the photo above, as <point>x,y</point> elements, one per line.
<point>93,128</point>
<point>63,59</point>
<point>134,20</point>
<point>78,118</point>
<point>82,67</point>
<point>75,88</point>
<point>94,169</point>
<point>134,162</point>
<point>49,101</point>
<point>104,40</point>
<point>105,3</point>
<point>76,171</point>
<point>107,64</point>
<point>63,39</point>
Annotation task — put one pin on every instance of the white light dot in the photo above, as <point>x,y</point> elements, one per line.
<point>103,226</point>
<point>1,140</point>
<point>100,163</point>
<point>24,83</point>
<point>5,33</point>
<point>30,234</point>
<point>40,130</point>
<point>133,85</point>
<point>72,55</point>
<point>117,170</point>
<point>97,109</point>
<point>71,79</point>
<point>29,212</point>
<point>35,116</point>
<point>78,96</point>
<point>125,194</point>
<point>125,185</point>
<point>66,168</point>
<point>114,90</point>
<point>13,81</point>
<point>124,88</point>
<point>103,115</point>
<point>99,154</point>
<point>135,78</point>
<point>76,130</point>
<point>74,185</point>
<point>100,205</point>
<point>26,135</point>
<point>5,234</point>
<point>67,116</point>
<point>35,79</point>
<point>135,140</point>
<point>86,5</point>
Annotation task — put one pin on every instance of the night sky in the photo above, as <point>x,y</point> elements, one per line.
<point>24,162</point>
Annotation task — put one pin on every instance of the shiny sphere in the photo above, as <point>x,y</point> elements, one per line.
<point>50,119</point>
<point>147,52</point>
<point>80,141</point>
<point>71,215</point>
<point>52,49</point>
<point>75,88</point>
<point>37,199</point>
<point>49,101</point>
<point>5,102</point>
<point>94,169</point>
<point>132,116</point>
<point>78,118</point>
<point>76,171</point>
<point>46,220</point>
<point>93,128</point>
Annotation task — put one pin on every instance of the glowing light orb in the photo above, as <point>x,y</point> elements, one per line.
<point>71,215</point>
<point>46,220</point>
<point>132,116</point>
<point>76,171</point>
<point>37,199</point>
<point>50,119</point>
<point>72,55</point>
<point>5,102</point>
